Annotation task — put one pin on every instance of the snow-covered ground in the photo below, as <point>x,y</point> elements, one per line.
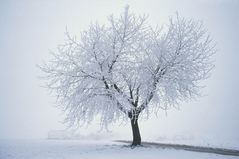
<point>205,141</point>
<point>84,149</point>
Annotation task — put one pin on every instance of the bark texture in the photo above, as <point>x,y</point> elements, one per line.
<point>136,133</point>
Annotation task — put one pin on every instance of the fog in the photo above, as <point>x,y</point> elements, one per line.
<point>30,29</point>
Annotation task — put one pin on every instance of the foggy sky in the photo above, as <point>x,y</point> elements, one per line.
<point>30,29</point>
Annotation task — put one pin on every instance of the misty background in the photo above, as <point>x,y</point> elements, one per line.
<point>30,29</point>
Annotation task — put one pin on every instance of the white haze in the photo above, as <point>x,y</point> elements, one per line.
<point>30,29</point>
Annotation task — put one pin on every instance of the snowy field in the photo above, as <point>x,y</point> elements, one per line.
<point>78,149</point>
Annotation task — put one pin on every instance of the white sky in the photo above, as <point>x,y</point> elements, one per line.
<point>29,29</point>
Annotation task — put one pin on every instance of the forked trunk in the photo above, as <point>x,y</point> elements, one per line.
<point>136,133</point>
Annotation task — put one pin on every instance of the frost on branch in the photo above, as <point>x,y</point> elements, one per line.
<point>118,70</point>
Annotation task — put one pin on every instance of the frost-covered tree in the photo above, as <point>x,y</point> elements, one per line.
<point>127,69</point>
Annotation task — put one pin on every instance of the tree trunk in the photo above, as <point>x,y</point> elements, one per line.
<point>136,133</point>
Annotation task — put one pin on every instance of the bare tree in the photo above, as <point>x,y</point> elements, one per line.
<point>126,68</point>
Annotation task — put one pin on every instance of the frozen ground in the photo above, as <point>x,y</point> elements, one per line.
<point>205,141</point>
<point>77,149</point>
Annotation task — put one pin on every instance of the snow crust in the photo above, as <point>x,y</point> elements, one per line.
<point>78,149</point>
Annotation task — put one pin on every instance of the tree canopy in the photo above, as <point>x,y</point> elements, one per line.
<point>126,68</point>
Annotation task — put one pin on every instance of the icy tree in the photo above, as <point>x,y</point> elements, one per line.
<point>127,69</point>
